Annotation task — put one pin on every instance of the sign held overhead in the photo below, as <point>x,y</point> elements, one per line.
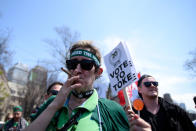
<point>120,68</point>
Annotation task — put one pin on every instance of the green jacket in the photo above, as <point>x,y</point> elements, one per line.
<point>112,115</point>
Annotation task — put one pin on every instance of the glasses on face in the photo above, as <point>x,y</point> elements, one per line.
<point>53,92</point>
<point>149,83</point>
<point>85,64</point>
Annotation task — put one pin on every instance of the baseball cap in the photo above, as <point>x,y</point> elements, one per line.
<point>17,108</point>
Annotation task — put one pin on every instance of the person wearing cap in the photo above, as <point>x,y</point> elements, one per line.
<point>17,123</point>
<point>160,114</point>
<point>77,106</point>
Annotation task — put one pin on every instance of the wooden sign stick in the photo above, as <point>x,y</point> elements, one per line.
<point>128,103</point>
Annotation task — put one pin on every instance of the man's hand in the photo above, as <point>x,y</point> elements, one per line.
<point>136,123</point>
<point>64,92</point>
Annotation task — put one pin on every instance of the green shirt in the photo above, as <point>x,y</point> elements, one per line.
<point>112,114</point>
<point>84,121</point>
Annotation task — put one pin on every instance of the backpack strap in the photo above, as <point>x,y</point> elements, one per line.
<point>72,121</point>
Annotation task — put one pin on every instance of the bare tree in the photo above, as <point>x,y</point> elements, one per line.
<point>33,98</point>
<point>4,93</point>
<point>60,47</point>
<point>190,64</point>
<point>5,60</point>
<point>5,53</point>
<point>52,78</point>
<point>36,88</point>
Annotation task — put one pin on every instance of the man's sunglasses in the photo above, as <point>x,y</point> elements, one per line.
<point>53,92</point>
<point>149,83</point>
<point>84,64</point>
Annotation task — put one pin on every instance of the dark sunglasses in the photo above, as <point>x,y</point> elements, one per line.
<point>85,64</point>
<point>53,92</point>
<point>149,83</point>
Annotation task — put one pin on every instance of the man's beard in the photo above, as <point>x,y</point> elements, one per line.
<point>153,96</point>
<point>82,89</point>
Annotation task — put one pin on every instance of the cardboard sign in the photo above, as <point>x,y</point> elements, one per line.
<point>120,68</point>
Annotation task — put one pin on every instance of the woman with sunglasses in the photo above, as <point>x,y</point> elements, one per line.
<point>77,106</point>
<point>160,114</point>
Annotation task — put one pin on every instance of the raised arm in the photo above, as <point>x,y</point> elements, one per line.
<point>43,120</point>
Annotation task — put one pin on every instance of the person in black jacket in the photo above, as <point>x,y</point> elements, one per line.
<point>160,114</point>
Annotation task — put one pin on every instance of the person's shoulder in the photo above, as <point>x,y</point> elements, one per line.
<point>7,124</point>
<point>194,123</point>
<point>107,101</point>
<point>23,119</point>
<point>167,104</point>
<point>171,107</point>
<point>9,121</point>
<point>33,116</point>
<point>109,104</point>
<point>50,99</point>
<point>113,115</point>
<point>47,102</point>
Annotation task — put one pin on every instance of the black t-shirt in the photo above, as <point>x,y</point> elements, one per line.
<point>170,117</point>
<point>158,122</point>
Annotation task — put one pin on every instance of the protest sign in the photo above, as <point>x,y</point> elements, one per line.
<point>120,67</point>
<point>132,91</point>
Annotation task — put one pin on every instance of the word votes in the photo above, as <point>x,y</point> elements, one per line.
<point>120,75</point>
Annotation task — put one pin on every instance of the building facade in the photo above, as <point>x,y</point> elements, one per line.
<point>18,74</point>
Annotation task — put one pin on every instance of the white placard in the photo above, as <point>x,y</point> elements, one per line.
<point>120,68</point>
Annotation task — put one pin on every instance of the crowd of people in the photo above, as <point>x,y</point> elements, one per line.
<point>75,105</point>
